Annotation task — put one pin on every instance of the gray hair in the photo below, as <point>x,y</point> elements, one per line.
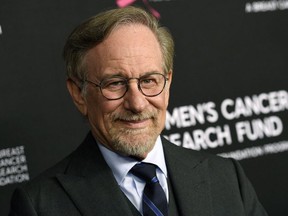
<point>97,28</point>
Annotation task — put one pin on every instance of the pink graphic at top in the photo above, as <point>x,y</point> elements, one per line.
<point>124,3</point>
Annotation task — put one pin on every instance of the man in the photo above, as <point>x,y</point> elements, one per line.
<point>119,67</point>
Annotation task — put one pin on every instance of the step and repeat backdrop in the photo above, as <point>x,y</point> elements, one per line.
<point>229,94</point>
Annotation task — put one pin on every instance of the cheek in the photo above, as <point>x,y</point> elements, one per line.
<point>160,103</point>
<point>161,106</point>
<point>102,110</point>
<point>166,98</point>
<point>95,107</point>
<point>164,105</point>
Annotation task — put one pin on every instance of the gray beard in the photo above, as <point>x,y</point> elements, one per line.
<point>136,143</point>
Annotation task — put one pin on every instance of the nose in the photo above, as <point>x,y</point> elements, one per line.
<point>134,100</point>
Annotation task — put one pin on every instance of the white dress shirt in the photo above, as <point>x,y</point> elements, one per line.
<point>132,186</point>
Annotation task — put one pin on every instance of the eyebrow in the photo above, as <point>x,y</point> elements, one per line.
<point>120,74</point>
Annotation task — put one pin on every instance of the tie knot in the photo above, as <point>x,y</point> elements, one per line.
<point>145,171</point>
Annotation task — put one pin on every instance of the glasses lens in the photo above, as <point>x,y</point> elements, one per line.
<point>153,84</point>
<point>150,85</point>
<point>114,88</point>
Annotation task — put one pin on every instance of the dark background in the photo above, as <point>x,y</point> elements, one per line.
<point>221,52</point>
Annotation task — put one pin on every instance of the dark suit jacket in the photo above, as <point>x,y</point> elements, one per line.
<point>83,184</point>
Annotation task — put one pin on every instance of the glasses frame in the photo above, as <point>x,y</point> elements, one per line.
<point>127,85</point>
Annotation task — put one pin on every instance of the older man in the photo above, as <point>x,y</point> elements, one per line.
<point>119,67</point>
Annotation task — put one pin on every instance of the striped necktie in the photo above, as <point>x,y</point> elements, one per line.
<point>154,198</point>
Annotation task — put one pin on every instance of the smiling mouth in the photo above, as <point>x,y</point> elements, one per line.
<point>134,121</point>
<point>135,124</point>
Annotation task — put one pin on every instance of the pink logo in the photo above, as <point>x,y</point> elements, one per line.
<point>124,3</point>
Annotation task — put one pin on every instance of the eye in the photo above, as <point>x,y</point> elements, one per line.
<point>148,82</point>
<point>113,84</point>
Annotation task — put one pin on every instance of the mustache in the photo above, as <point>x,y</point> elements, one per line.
<point>129,116</point>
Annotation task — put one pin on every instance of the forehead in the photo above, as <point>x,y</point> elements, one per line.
<point>132,33</point>
<point>127,45</point>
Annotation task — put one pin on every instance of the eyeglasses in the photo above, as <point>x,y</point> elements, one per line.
<point>114,88</point>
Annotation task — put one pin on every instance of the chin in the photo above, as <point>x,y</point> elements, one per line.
<point>135,143</point>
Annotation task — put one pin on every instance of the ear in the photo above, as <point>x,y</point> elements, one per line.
<point>168,84</point>
<point>77,96</point>
<point>169,75</point>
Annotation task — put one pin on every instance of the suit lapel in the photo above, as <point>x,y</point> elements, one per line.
<point>90,183</point>
<point>189,180</point>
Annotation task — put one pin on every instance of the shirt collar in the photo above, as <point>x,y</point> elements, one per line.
<point>121,165</point>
